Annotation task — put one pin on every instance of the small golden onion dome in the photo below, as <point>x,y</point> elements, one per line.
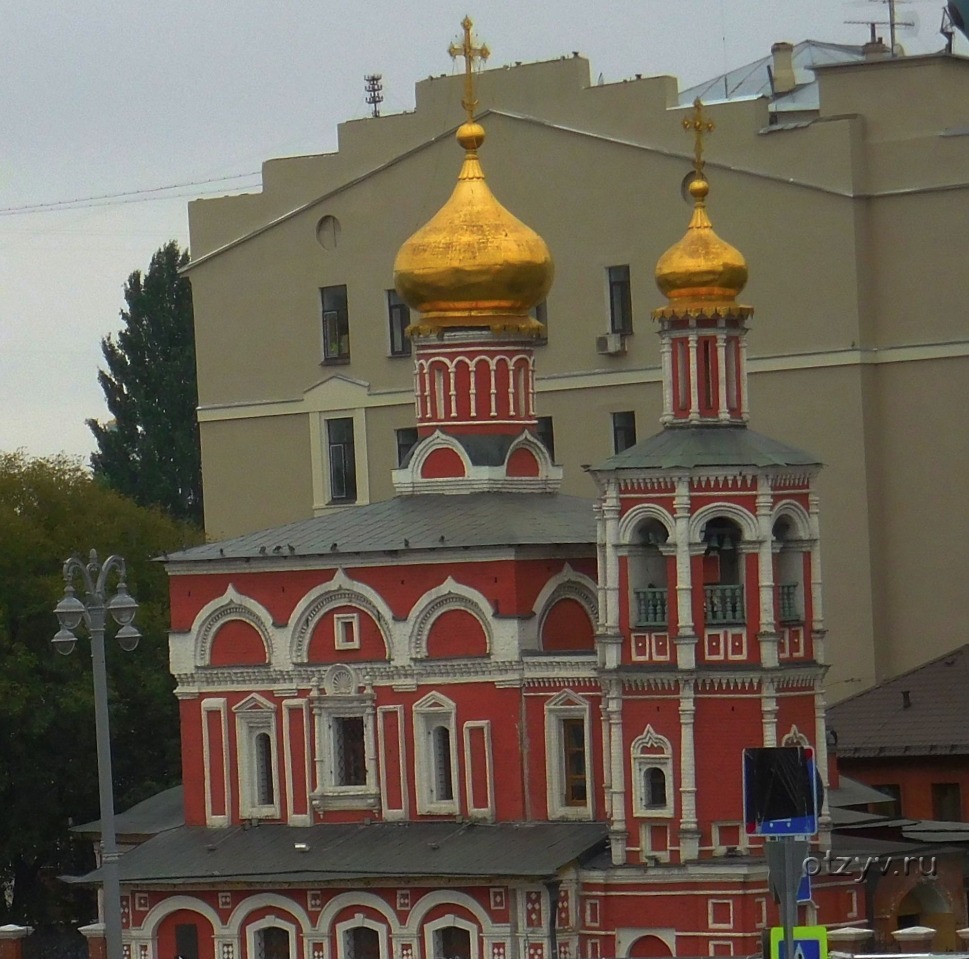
<point>701,266</point>
<point>474,264</point>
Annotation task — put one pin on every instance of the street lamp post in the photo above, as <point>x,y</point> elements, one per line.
<point>71,613</point>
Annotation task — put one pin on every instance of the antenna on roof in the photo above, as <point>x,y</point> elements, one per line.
<point>375,92</point>
<point>909,26</point>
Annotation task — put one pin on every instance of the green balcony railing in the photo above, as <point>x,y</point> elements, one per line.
<point>724,605</point>
<point>651,607</point>
<point>787,606</point>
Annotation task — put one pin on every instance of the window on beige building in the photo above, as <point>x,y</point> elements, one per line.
<point>336,324</point>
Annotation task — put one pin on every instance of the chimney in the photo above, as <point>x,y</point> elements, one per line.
<point>876,50</point>
<point>782,69</point>
<point>906,699</point>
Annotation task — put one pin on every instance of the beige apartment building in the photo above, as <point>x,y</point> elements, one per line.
<point>852,211</point>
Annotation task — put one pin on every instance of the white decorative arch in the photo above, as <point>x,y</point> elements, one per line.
<point>437,441</point>
<point>355,900</point>
<point>795,737</point>
<point>566,584</point>
<point>355,922</point>
<point>797,514</point>
<point>650,739</point>
<point>449,595</point>
<point>341,590</point>
<point>267,900</point>
<point>271,922</point>
<point>230,605</point>
<point>445,897</point>
<point>157,914</point>
<point>638,515</point>
<point>473,931</point>
<point>743,518</point>
<point>529,441</point>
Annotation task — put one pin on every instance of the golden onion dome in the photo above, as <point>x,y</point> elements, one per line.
<point>474,264</point>
<point>701,266</point>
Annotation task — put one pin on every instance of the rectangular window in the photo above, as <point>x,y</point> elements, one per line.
<point>946,802</point>
<point>398,314</point>
<point>892,806</point>
<point>620,300</point>
<point>343,467</point>
<point>187,941</point>
<point>406,441</point>
<point>349,751</point>
<point>544,431</point>
<point>345,631</point>
<point>336,325</point>
<point>573,761</point>
<point>623,430</point>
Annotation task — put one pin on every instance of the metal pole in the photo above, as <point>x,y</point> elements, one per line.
<point>109,847</point>
<point>789,902</point>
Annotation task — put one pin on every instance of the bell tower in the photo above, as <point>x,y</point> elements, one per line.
<point>711,631</point>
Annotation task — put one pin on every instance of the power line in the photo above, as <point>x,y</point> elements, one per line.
<point>129,196</point>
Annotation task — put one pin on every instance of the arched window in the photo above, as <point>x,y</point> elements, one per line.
<point>272,942</point>
<point>452,942</point>
<point>265,787</point>
<point>652,757</point>
<point>361,942</point>
<point>441,757</point>
<point>788,573</point>
<point>723,573</point>
<point>654,787</point>
<point>648,580</point>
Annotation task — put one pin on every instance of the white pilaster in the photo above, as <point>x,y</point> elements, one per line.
<point>689,829</point>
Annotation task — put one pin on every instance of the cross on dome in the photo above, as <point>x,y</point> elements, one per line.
<point>699,125</point>
<point>470,52</point>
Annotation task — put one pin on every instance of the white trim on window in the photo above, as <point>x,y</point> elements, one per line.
<point>346,631</point>
<point>258,758</point>
<point>560,711</point>
<point>652,765</point>
<point>436,755</point>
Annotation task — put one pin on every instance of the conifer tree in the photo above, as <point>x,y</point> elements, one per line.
<point>149,451</point>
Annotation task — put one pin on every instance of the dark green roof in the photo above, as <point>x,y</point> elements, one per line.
<point>685,447</point>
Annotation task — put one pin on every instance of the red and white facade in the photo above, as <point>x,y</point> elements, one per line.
<point>593,670</point>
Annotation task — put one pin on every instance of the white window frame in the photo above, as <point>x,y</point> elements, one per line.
<point>566,705</point>
<point>340,632</point>
<point>435,925</point>
<point>253,717</point>
<point>342,929</point>
<point>268,922</point>
<point>651,751</point>
<point>329,792</point>
<point>430,713</point>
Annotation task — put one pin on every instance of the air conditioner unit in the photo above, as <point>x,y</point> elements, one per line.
<point>610,344</point>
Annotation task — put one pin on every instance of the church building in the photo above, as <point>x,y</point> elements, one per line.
<point>483,719</point>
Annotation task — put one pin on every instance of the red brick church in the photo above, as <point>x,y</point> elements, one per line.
<point>483,719</point>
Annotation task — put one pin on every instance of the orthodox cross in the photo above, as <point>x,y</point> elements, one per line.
<point>470,53</point>
<point>699,125</point>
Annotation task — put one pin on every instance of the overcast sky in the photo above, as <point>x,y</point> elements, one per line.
<point>100,98</point>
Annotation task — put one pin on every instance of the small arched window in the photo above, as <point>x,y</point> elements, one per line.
<point>654,787</point>
<point>265,787</point>
<point>441,757</point>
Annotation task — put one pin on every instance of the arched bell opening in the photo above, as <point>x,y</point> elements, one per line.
<point>723,573</point>
<point>648,578</point>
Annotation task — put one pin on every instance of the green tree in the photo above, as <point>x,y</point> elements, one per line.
<point>149,451</point>
<point>51,509</point>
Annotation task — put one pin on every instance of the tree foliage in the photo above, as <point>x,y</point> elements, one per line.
<point>150,450</point>
<point>51,509</point>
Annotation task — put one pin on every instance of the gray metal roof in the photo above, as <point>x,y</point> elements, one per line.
<point>427,521</point>
<point>348,851</point>
<point>162,811</point>
<point>851,792</point>
<point>689,446</point>
<point>753,79</point>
